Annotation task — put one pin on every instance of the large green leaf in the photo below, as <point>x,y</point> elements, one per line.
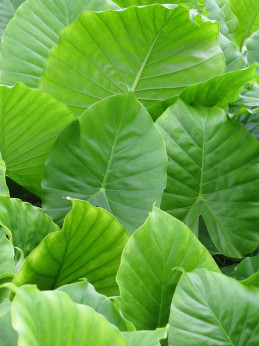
<point>89,245</point>
<point>212,309</point>
<point>84,293</point>
<point>3,187</point>
<point>213,172</point>
<point>7,267</point>
<point>51,318</point>
<point>8,336</point>
<point>7,11</point>
<point>146,337</point>
<point>27,224</point>
<point>29,124</point>
<point>218,91</point>
<point>247,13</point>
<point>114,157</point>
<point>146,277</point>
<point>99,55</point>
<point>35,28</point>
<point>221,11</point>
<point>126,3</point>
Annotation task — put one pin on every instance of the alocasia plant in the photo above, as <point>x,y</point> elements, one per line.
<point>110,110</point>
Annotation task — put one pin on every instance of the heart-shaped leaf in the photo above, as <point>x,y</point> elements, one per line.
<point>213,172</point>
<point>89,245</point>
<point>101,55</point>
<point>113,157</point>
<point>146,277</point>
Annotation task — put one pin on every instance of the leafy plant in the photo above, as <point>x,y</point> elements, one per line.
<point>132,127</point>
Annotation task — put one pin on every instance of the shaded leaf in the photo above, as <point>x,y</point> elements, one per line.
<point>146,277</point>
<point>146,337</point>
<point>7,11</point>
<point>7,267</point>
<point>84,293</point>
<point>3,187</point>
<point>89,245</point>
<point>8,336</point>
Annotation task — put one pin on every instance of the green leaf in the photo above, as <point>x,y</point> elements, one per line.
<point>233,57</point>
<point>212,172</point>
<point>7,267</point>
<point>7,11</point>
<point>3,187</point>
<point>89,245</point>
<point>34,30</point>
<point>84,293</point>
<point>229,270</point>
<point>251,123</point>
<point>126,3</point>
<point>146,277</point>
<point>146,337</point>
<point>247,13</point>
<point>51,318</point>
<point>248,98</point>
<point>248,271</point>
<point>29,124</point>
<point>101,56</point>
<point>221,11</point>
<point>218,91</point>
<point>8,336</point>
<point>212,309</point>
<point>252,46</point>
<point>27,224</point>
<point>113,157</point>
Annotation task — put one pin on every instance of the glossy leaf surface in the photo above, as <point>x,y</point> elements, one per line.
<point>113,157</point>
<point>101,56</point>
<point>33,31</point>
<point>146,277</point>
<point>213,172</point>
<point>51,318</point>
<point>211,309</point>
<point>89,245</point>
<point>29,124</point>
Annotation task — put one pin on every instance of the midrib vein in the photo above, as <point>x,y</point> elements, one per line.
<point>143,65</point>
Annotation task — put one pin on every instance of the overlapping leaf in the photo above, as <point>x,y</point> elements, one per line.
<point>126,3</point>
<point>146,277</point>
<point>114,157</point>
<point>84,293</point>
<point>146,337</point>
<point>248,271</point>
<point>211,309</point>
<point>3,187</point>
<point>29,124</point>
<point>7,11</point>
<point>213,172</point>
<point>89,245</point>
<point>51,318</point>
<point>99,56</point>
<point>34,30</point>
<point>7,267</point>
<point>8,336</point>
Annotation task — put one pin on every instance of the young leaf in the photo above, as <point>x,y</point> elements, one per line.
<point>29,124</point>
<point>101,55</point>
<point>33,31</point>
<point>146,277</point>
<point>84,293</point>
<point>27,224</point>
<point>113,157</point>
<point>146,337</point>
<point>212,309</point>
<point>51,318</point>
<point>248,271</point>
<point>252,49</point>
<point>89,245</point>
<point>212,172</point>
